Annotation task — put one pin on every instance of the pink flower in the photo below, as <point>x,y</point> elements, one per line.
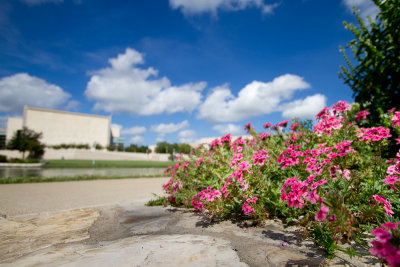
<point>391,179</point>
<point>244,166</point>
<point>266,126</point>
<point>283,123</point>
<point>237,157</point>
<point>199,161</point>
<point>341,106</point>
<point>262,136</point>
<point>247,209</point>
<point>226,138</point>
<point>322,213</point>
<point>319,183</point>
<point>386,204</point>
<point>390,225</point>
<point>260,157</point>
<point>373,134</point>
<point>294,127</point>
<point>396,119</point>
<point>362,115</point>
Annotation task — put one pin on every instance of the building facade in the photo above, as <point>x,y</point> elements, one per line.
<point>61,127</point>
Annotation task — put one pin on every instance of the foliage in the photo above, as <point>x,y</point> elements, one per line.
<point>27,140</point>
<point>3,158</point>
<point>67,146</point>
<point>98,146</point>
<point>375,81</point>
<point>332,179</point>
<point>165,147</point>
<point>138,149</point>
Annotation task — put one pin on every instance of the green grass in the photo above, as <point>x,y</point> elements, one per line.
<point>69,178</point>
<point>106,164</point>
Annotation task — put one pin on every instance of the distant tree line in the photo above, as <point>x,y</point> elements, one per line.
<point>166,148</point>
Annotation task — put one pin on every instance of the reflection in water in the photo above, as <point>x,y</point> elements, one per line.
<point>53,172</point>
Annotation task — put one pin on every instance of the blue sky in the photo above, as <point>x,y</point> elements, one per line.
<point>175,70</point>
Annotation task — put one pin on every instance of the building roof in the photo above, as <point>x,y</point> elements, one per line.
<point>65,112</point>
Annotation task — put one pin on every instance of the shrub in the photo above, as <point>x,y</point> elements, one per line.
<point>3,158</point>
<point>332,179</point>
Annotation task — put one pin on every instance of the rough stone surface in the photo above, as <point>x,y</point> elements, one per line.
<point>24,234</point>
<point>124,232</point>
<point>155,250</point>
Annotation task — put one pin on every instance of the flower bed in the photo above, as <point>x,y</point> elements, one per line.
<point>333,179</point>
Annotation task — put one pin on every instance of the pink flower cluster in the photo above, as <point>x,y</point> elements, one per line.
<point>396,119</point>
<point>247,209</point>
<point>384,246</point>
<point>208,195</point>
<point>362,115</point>
<point>295,191</point>
<point>328,122</point>
<point>386,204</point>
<point>373,134</point>
<point>236,158</point>
<point>199,162</point>
<point>260,157</point>
<point>322,213</point>
<point>289,157</point>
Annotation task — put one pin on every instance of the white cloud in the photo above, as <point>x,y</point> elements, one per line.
<point>190,7</point>
<point>305,108</point>
<point>187,136</point>
<point>224,129</point>
<point>39,2</point>
<point>169,128</point>
<point>22,89</point>
<point>137,140</point>
<point>137,130</point>
<point>366,7</point>
<point>256,98</point>
<point>126,88</point>
<point>163,129</point>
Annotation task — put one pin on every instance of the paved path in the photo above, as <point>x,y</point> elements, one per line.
<point>19,199</point>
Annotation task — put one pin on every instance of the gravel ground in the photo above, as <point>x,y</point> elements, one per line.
<point>19,199</point>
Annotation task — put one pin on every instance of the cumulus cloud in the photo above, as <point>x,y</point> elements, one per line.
<point>305,108</point>
<point>163,129</point>
<point>169,128</point>
<point>137,130</point>
<point>366,7</point>
<point>126,88</point>
<point>39,2</point>
<point>137,140</point>
<point>256,98</point>
<point>224,129</point>
<point>190,7</point>
<point>22,89</point>
<point>187,136</point>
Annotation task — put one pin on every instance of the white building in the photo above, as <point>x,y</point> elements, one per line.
<point>61,127</point>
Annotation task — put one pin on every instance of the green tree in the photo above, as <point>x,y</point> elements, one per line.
<point>27,140</point>
<point>138,149</point>
<point>375,81</point>
<point>165,147</point>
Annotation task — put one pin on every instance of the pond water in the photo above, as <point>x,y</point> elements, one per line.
<point>53,172</point>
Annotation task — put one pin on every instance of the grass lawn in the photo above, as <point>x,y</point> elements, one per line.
<point>106,164</point>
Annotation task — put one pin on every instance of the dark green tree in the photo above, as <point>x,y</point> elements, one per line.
<point>375,80</point>
<point>165,147</point>
<point>27,140</point>
<point>137,149</point>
